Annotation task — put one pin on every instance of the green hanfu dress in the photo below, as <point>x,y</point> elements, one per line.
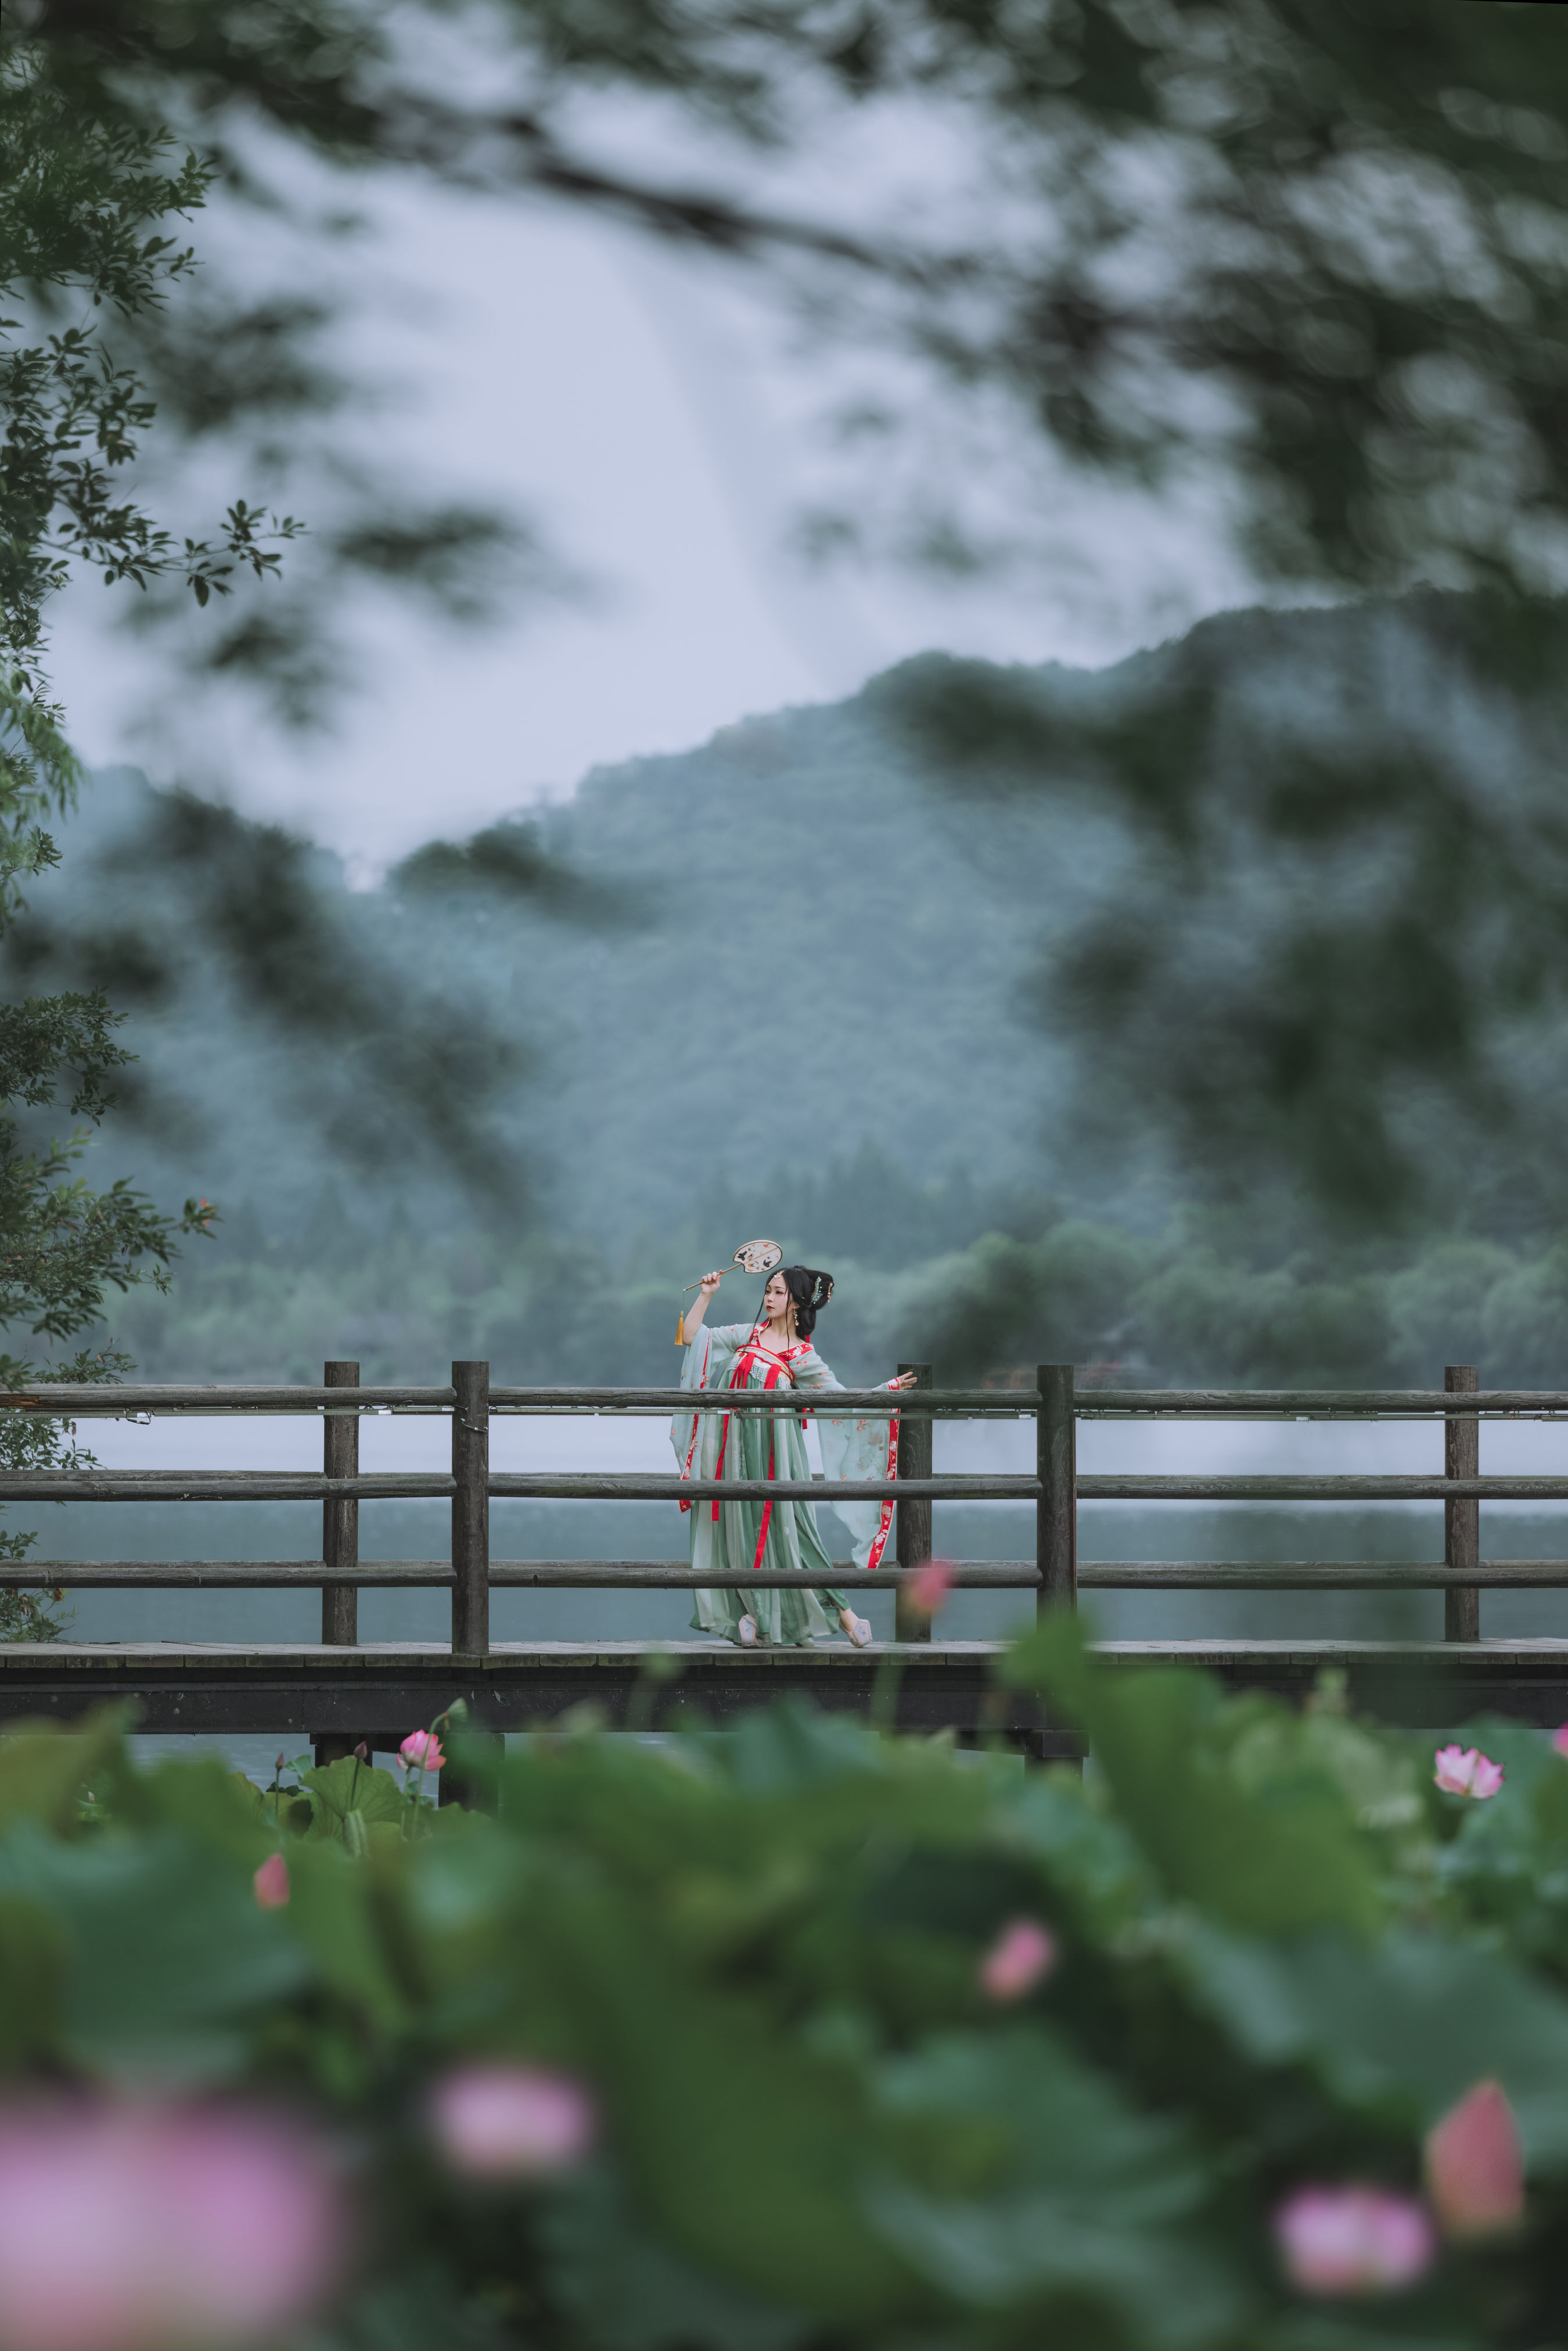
<point>736,1540</point>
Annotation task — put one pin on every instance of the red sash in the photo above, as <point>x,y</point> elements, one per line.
<point>778,1368</point>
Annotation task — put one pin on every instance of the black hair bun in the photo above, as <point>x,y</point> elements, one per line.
<point>809,1292</point>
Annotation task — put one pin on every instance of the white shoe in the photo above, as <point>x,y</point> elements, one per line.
<point>859,1631</point>
<point>745,1631</point>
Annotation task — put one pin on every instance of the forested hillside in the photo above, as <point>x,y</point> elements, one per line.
<point>787,948</point>
<point>787,982</point>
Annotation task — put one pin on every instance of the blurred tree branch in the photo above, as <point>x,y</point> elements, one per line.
<point>1322,249</point>
<point>1330,946</point>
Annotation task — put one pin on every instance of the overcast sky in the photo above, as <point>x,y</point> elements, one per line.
<point>666,436</point>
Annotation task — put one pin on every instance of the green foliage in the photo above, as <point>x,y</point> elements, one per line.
<point>1281,1956</point>
<point>82,194</point>
<point>1264,1850</point>
<point>115,355</point>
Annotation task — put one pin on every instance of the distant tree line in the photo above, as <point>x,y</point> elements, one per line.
<point>1200,1302</point>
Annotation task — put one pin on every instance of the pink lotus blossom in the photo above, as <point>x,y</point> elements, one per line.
<point>271,1882</point>
<point>421,1747</point>
<point>511,2122</point>
<point>1023,1955</point>
<point>1353,2239</point>
<point>1465,1772</point>
<point>1559,1738</point>
<point>1475,2165</point>
<point>926,1590</point>
<point>154,2227</point>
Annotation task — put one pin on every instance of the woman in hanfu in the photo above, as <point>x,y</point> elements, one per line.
<point>738,1540</point>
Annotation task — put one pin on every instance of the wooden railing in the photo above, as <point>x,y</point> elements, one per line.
<point>1055,1489</point>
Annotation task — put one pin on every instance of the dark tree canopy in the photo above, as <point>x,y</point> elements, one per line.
<point>1316,246</point>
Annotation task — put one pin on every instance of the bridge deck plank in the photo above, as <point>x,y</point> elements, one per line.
<point>388,1689</point>
<point>41,1655</point>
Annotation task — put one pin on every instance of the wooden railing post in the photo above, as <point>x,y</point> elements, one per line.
<point>471,1510</point>
<point>1461,1521</point>
<point>1056,1513</point>
<point>340,1520</point>
<point>913,1518</point>
<point>339,1545</point>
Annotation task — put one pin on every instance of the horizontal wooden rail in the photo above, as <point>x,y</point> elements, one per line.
<point>1320,1575</point>
<point>633,1485</point>
<point>675,1574</point>
<point>1312,1403</point>
<point>435,1575</point>
<point>220,1486</point>
<point>121,1403</point>
<point>1319,1489</point>
<point>310,1486</point>
<point>76,1401</point>
<point>54,1402</point>
<point>1089,1404</point>
<point>608,1486</point>
<point>1007,1403</point>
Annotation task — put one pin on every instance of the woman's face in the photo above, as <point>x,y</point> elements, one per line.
<point>776,1298</point>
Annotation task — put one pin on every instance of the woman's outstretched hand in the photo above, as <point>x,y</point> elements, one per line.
<point>710,1282</point>
<point>907,1380</point>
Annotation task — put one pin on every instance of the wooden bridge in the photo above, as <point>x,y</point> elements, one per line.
<point>340,1690</point>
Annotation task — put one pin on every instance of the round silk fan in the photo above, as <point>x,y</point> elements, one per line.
<point>759,1257</point>
<point>751,1257</point>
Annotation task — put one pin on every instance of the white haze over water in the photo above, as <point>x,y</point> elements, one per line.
<point>611,1442</point>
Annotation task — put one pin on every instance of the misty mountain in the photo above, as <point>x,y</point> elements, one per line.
<point>790,977</point>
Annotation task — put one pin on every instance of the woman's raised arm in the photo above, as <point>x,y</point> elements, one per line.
<point>692,1321</point>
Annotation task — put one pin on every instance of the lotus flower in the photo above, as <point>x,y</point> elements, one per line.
<point>1465,1772</point>
<point>1475,2167</point>
<point>1023,1955</point>
<point>158,2226</point>
<point>926,1590</point>
<point>271,1882</point>
<point>1559,1738</point>
<point>1353,2239</point>
<point>511,2122</point>
<point>421,1751</point>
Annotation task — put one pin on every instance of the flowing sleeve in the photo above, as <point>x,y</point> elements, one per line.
<point>865,1445</point>
<point>705,1364</point>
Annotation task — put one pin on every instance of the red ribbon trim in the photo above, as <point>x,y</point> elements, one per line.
<point>777,1365</point>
